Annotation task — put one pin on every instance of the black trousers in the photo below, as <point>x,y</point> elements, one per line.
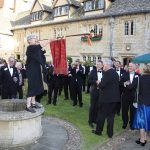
<point>118,109</point>
<point>84,82</point>
<point>127,105</point>
<point>88,88</point>
<point>77,93</point>
<point>20,92</point>
<point>71,89</point>
<point>93,110</point>
<point>106,111</point>
<point>52,88</point>
<point>8,95</point>
<point>60,86</point>
<point>66,87</point>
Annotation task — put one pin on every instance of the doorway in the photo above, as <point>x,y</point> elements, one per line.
<point>127,60</point>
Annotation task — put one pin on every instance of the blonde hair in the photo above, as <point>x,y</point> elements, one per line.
<point>18,64</point>
<point>145,69</point>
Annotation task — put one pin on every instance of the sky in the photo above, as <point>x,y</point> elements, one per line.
<point>26,6</point>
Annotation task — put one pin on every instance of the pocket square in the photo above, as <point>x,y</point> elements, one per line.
<point>6,69</point>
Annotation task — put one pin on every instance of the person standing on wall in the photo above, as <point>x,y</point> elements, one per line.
<point>35,60</point>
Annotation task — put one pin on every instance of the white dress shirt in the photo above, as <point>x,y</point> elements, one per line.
<point>118,71</point>
<point>99,75</point>
<point>10,70</point>
<point>131,76</point>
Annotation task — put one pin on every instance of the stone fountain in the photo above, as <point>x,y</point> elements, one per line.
<point>18,127</point>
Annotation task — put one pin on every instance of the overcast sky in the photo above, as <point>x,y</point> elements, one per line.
<point>26,6</point>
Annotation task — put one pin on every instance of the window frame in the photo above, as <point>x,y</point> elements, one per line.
<point>60,9</point>
<point>36,16</point>
<point>94,7</point>
<point>129,28</point>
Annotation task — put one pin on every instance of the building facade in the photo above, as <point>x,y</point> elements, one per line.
<point>8,11</point>
<point>120,28</point>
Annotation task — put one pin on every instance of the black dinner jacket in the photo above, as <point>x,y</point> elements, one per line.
<point>93,78</point>
<point>129,91</point>
<point>7,80</point>
<point>109,87</point>
<point>77,77</point>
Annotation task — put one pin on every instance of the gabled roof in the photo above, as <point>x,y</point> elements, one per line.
<point>117,8</point>
<point>70,2</point>
<point>45,5</point>
<point>123,7</point>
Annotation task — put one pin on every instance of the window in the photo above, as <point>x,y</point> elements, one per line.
<point>88,6</point>
<point>129,28</point>
<point>36,15</point>
<point>18,57</point>
<point>84,58</point>
<point>92,5</point>
<point>126,28</point>
<point>63,10</point>
<point>55,35</point>
<point>60,32</point>
<point>89,58</point>
<point>98,29</point>
<point>132,27</point>
<point>94,59</point>
<point>99,58</point>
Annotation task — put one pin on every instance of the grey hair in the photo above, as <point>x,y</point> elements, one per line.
<point>109,62</point>
<point>32,36</point>
<point>11,57</point>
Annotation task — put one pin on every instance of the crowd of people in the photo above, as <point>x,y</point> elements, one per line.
<point>113,89</point>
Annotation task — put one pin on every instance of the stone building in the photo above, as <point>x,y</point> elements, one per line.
<point>119,28</point>
<point>8,11</point>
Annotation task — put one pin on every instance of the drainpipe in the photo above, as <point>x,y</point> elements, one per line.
<point>111,24</point>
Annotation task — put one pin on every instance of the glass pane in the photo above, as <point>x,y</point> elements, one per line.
<point>132,28</point>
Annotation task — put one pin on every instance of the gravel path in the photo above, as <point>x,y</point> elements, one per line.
<point>124,141</point>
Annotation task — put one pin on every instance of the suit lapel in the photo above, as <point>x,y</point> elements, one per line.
<point>8,72</point>
<point>96,74</point>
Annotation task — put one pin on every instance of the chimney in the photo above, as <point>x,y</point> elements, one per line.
<point>1,3</point>
<point>14,9</point>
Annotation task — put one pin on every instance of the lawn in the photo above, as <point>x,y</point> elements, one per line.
<point>79,117</point>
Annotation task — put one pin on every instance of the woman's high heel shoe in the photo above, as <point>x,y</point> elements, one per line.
<point>139,142</point>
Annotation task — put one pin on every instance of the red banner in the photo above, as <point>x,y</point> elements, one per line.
<point>58,51</point>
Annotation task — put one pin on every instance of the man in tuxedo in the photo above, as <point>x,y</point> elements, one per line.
<point>95,76</point>
<point>66,83</point>
<point>77,82</point>
<point>84,76</point>
<point>109,96</point>
<point>22,76</point>
<point>129,80</point>
<point>120,71</point>
<point>9,80</point>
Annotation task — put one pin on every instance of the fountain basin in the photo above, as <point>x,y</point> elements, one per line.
<point>18,127</point>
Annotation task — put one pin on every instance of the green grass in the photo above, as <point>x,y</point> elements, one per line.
<point>79,117</point>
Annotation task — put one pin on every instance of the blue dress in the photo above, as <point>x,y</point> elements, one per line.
<point>142,117</point>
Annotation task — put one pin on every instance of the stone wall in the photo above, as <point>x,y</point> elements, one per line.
<point>123,45</point>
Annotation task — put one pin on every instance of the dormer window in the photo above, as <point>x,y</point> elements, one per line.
<point>36,15</point>
<point>62,10</point>
<point>93,5</point>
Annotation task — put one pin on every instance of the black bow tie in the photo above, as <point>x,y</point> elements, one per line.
<point>100,71</point>
<point>117,70</point>
<point>11,67</point>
